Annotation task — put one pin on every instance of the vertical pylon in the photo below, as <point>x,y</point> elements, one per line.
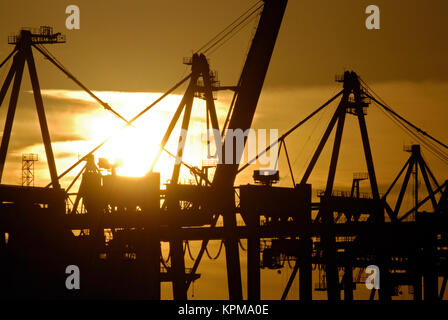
<point>415,164</point>
<point>354,102</point>
<point>24,43</point>
<point>200,70</point>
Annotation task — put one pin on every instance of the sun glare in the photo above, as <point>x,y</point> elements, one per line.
<point>134,148</point>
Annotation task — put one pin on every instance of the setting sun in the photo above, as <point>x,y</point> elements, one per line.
<point>134,148</point>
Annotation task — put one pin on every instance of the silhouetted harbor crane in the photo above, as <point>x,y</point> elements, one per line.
<point>122,220</point>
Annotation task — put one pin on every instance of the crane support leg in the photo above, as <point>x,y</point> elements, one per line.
<point>18,64</point>
<point>253,258</point>
<point>329,240</point>
<point>305,271</point>
<point>42,119</point>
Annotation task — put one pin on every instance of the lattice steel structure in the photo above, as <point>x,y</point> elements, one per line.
<point>28,160</point>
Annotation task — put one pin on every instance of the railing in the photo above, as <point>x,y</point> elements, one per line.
<point>346,194</point>
<point>354,110</point>
<point>209,163</point>
<point>44,34</point>
<point>182,181</point>
<point>360,175</point>
<point>188,61</point>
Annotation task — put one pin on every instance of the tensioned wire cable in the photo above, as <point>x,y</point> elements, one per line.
<point>47,54</point>
<point>407,124</point>
<point>243,17</point>
<point>427,143</point>
<point>233,32</point>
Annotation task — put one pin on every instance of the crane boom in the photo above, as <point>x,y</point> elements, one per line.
<point>249,89</point>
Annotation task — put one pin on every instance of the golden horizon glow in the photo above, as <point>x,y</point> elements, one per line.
<point>133,147</point>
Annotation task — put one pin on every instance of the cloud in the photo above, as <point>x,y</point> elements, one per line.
<point>77,123</point>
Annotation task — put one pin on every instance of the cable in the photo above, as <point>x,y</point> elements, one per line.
<point>235,94</point>
<point>436,151</point>
<point>217,255</point>
<point>241,245</point>
<point>61,67</point>
<point>5,70</point>
<point>230,32</point>
<point>404,124</point>
<point>187,244</point>
<point>130,121</point>
<point>167,259</point>
<point>224,41</point>
<point>8,57</point>
<point>287,133</point>
<point>426,139</point>
<point>428,145</point>
<point>224,30</point>
<point>308,159</point>
<point>76,178</point>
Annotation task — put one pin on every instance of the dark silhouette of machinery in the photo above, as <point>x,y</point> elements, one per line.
<point>266,177</point>
<point>114,226</point>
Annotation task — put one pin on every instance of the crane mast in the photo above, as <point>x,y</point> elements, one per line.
<point>250,85</point>
<point>251,82</point>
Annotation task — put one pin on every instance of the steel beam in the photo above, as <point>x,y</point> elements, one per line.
<point>253,257</point>
<point>7,82</point>
<point>328,240</point>
<point>41,115</point>
<point>18,64</point>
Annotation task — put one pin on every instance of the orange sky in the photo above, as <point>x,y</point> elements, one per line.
<point>129,53</point>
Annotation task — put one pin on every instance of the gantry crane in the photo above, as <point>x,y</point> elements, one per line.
<point>121,221</point>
